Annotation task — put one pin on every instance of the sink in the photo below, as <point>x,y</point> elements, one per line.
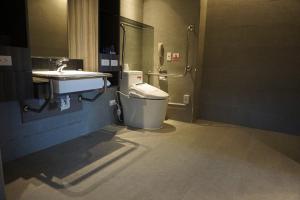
<point>70,81</point>
<point>68,74</point>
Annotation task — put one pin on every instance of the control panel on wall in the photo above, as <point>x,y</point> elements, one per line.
<point>15,63</point>
<point>109,38</point>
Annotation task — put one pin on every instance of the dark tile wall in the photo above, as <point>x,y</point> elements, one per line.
<point>16,80</point>
<point>251,72</point>
<point>44,63</point>
<point>18,139</point>
<point>51,110</point>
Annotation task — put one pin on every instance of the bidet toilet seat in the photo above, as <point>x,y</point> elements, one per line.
<point>144,106</point>
<point>146,91</point>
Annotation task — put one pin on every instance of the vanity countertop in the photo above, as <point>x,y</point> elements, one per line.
<point>69,75</point>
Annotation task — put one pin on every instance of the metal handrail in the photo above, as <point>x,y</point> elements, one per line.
<point>165,75</point>
<point>27,108</point>
<point>176,104</point>
<point>99,93</point>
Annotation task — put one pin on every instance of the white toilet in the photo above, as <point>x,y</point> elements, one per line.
<point>144,106</point>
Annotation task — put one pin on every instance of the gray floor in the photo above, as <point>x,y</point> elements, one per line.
<point>203,161</point>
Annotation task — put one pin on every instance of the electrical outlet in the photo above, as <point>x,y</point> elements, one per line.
<point>105,62</point>
<point>186,99</point>
<point>114,63</point>
<point>169,56</point>
<point>112,102</point>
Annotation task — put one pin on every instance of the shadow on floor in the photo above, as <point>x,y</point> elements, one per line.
<point>67,165</point>
<point>166,128</point>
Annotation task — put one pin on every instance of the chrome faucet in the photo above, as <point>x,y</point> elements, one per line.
<point>60,65</point>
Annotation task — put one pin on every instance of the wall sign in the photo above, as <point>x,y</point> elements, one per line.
<point>5,61</point>
<point>175,57</point>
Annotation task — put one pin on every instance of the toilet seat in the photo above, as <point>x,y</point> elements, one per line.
<point>146,91</point>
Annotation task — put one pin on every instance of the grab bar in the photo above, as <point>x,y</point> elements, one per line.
<point>177,104</point>
<point>165,75</point>
<point>27,108</point>
<point>99,93</point>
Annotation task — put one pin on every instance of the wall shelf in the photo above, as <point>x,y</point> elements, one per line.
<point>109,38</point>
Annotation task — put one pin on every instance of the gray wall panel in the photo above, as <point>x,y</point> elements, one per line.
<point>251,73</point>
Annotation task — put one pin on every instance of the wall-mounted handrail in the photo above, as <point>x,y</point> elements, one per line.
<point>176,104</point>
<point>165,75</point>
<point>82,98</point>
<point>27,108</point>
<point>101,91</point>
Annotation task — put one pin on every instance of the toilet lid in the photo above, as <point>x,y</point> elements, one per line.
<point>144,90</point>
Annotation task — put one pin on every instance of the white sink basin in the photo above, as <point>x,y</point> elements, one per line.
<point>70,81</point>
<point>68,74</point>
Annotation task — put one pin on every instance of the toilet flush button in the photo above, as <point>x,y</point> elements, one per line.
<point>5,61</point>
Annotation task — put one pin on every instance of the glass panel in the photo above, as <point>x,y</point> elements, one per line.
<point>139,45</point>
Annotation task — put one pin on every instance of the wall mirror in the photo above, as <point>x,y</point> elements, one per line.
<point>64,28</point>
<point>48,27</point>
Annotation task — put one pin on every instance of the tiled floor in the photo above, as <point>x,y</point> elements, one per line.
<point>203,161</point>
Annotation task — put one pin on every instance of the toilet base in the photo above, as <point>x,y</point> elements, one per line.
<point>144,113</point>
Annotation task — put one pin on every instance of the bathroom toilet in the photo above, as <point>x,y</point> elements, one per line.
<point>144,106</point>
